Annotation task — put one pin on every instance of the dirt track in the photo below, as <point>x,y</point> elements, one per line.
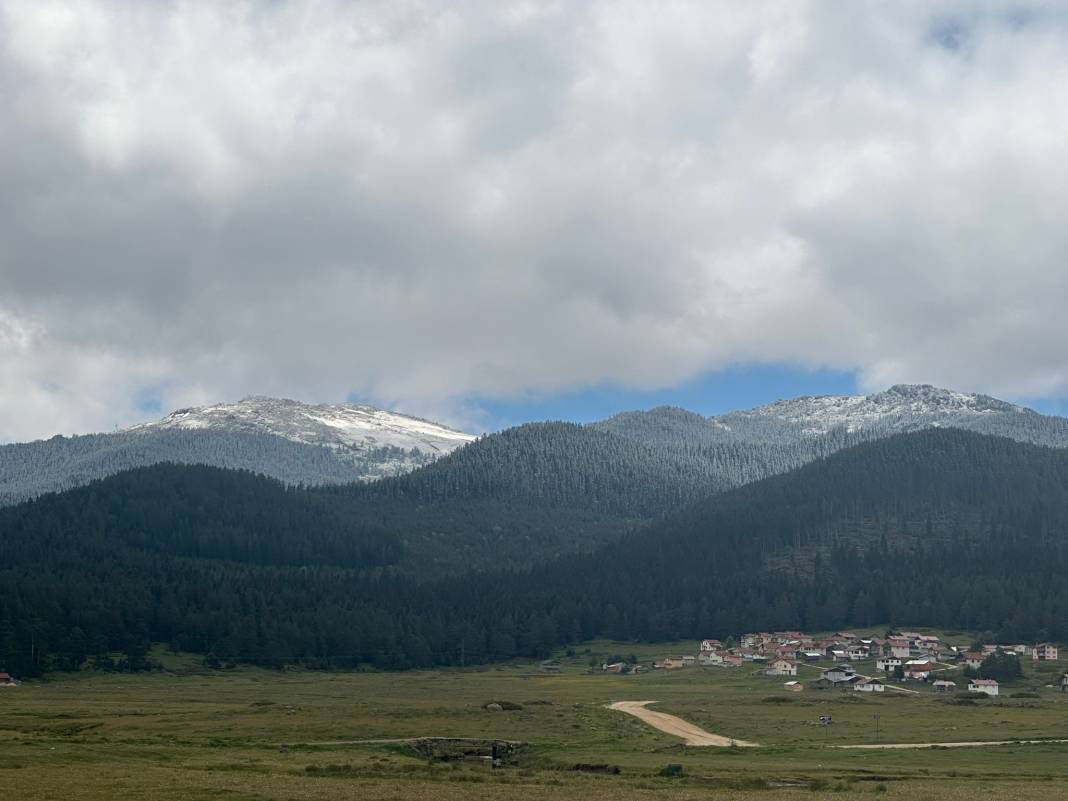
<point>953,745</point>
<point>669,724</point>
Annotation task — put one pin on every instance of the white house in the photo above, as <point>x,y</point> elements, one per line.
<point>707,646</point>
<point>918,669</point>
<point>973,659</point>
<point>711,659</point>
<point>1044,652</point>
<point>887,663</point>
<point>858,651</point>
<point>869,686</point>
<point>985,686</point>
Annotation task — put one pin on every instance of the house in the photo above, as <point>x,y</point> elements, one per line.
<point>887,663</point>
<point>782,667</point>
<point>689,661</point>
<point>973,659</point>
<point>943,686</point>
<point>812,656</point>
<point>793,686</point>
<point>617,667</point>
<point>919,669</point>
<point>1044,652</point>
<point>869,686</point>
<point>845,636</point>
<point>708,646</point>
<point>732,660</point>
<point>1064,683</point>
<point>858,651</point>
<point>838,676</point>
<point>711,658</point>
<point>672,663</point>
<point>985,686</point>
<point>7,680</point>
<point>839,655</point>
<point>899,647</point>
<point>550,666</point>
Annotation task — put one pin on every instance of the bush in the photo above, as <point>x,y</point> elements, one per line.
<point>674,769</point>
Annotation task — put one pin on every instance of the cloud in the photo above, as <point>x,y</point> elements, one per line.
<point>419,204</point>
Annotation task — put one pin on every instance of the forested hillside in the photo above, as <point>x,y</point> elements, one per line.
<point>942,527</point>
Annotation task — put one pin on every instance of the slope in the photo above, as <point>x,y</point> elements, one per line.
<point>939,527</point>
<point>293,442</point>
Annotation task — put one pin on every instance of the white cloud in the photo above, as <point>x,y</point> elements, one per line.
<point>418,203</point>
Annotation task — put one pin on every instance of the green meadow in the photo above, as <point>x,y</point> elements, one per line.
<point>243,734</point>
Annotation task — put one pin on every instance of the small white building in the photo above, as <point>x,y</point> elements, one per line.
<point>887,663</point>
<point>985,686</point>
<point>869,686</point>
<point>710,659</point>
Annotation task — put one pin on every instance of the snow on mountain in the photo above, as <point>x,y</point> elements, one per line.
<point>352,431</point>
<point>903,407</point>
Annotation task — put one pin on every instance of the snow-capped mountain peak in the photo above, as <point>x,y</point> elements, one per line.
<point>901,407</point>
<point>348,429</point>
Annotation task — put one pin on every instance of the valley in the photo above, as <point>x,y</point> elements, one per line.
<point>190,733</point>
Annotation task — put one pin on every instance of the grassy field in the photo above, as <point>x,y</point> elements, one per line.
<point>186,733</point>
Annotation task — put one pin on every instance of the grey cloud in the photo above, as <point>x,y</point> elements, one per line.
<point>417,203</point>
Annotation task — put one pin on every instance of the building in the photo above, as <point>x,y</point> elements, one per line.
<point>973,659</point>
<point>7,680</point>
<point>918,669</point>
<point>943,686</point>
<point>793,686</point>
<point>899,647</point>
<point>868,686</point>
<point>1064,683</point>
<point>858,651</point>
<point>550,666</point>
<point>1044,652</point>
<point>782,667</point>
<point>985,686</point>
<point>887,663</point>
<point>708,646</point>
<point>689,661</point>
<point>710,659</point>
<point>840,676</point>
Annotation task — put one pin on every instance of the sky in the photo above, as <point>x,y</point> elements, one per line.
<point>489,212</point>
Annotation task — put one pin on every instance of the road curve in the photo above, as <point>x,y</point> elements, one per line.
<point>669,724</point>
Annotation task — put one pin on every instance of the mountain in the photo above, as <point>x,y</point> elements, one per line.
<point>354,433</point>
<point>772,439</point>
<point>847,418</point>
<point>941,527</point>
<point>294,442</point>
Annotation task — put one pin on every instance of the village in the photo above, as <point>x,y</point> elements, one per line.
<point>828,662</point>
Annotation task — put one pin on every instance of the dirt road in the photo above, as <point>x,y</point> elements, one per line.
<point>953,745</point>
<point>669,724</point>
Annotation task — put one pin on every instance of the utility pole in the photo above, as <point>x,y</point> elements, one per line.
<point>876,716</point>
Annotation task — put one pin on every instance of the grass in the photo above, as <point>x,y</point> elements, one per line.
<point>252,734</point>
